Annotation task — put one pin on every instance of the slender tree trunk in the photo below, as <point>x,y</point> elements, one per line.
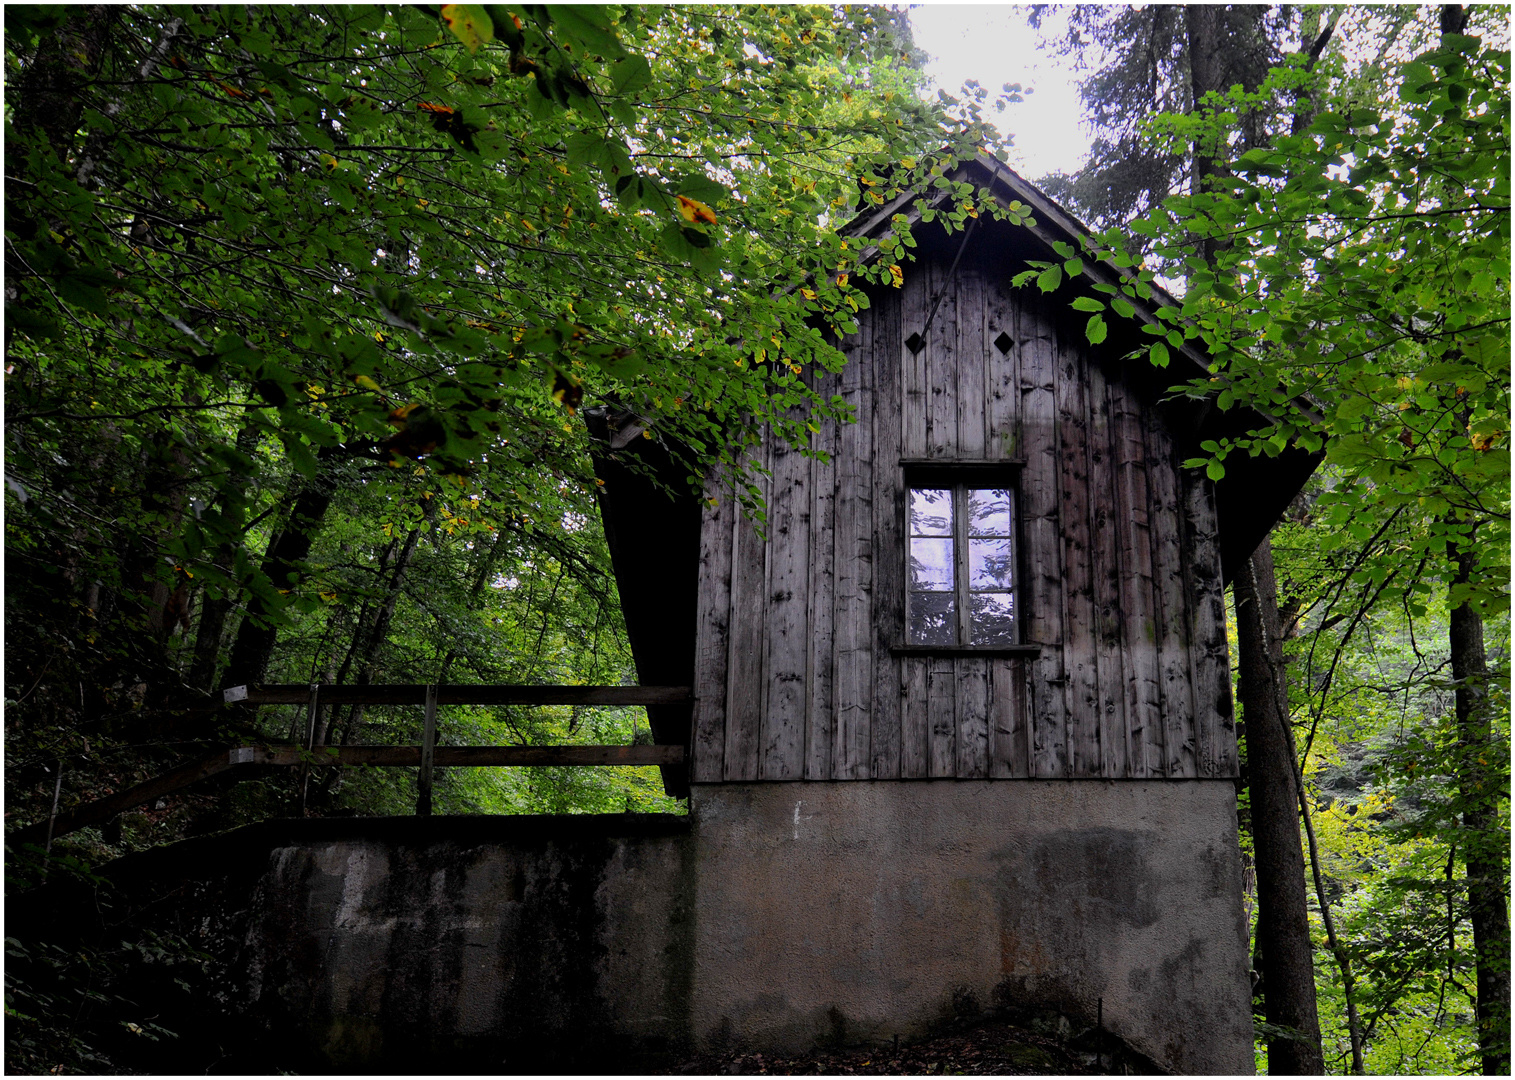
<point>1484,843</point>
<point>475,594</point>
<point>1283,925</point>
<point>254,646</point>
<point>364,654</point>
<point>1222,50</point>
<point>215,607</point>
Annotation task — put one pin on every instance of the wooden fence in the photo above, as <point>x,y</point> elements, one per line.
<point>427,756</point>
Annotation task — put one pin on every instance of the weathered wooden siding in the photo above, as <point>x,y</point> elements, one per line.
<point>1119,567</point>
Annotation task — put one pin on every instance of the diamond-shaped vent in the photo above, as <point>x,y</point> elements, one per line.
<point>1003,342</point>
<point>915,343</point>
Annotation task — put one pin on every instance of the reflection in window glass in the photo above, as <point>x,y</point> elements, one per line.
<point>961,587</point>
<point>933,618</point>
<point>931,512</point>
<point>993,618</point>
<point>931,562</point>
<point>988,512</point>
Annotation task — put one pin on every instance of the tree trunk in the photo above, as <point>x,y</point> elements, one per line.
<point>1223,50</point>
<point>368,641</point>
<point>259,630</point>
<point>216,607</point>
<point>1283,925</point>
<point>1484,843</point>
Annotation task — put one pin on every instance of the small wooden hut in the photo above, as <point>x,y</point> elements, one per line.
<point>1003,571</point>
<point>962,733</point>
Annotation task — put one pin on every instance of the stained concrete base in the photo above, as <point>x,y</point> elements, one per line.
<point>857,911</point>
<point>776,917</point>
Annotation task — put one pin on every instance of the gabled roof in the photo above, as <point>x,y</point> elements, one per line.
<point>1255,492</point>
<point>654,528</point>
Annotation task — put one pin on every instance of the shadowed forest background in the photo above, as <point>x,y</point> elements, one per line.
<point>304,307</point>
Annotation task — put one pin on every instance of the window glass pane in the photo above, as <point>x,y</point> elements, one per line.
<point>933,618</point>
<point>993,618</point>
<point>989,564</point>
<point>931,562</point>
<point>989,512</point>
<point>931,512</point>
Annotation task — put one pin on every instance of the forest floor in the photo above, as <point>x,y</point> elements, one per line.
<point>1038,1046</point>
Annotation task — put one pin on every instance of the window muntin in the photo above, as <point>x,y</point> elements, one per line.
<point>961,587</point>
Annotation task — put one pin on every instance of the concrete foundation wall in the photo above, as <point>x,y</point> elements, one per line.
<point>861,910</point>
<point>778,916</point>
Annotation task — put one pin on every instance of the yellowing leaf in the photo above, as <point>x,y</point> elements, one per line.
<point>693,210</point>
<point>367,384</point>
<point>898,275</point>
<point>469,23</point>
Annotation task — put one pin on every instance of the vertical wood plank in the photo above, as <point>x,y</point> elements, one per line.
<point>942,367</point>
<point>1214,713</point>
<point>972,438</point>
<point>819,711</point>
<point>744,685</point>
<point>1042,591</point>
<point>1113,752</point>
<point>1003,394</point>
<point>1008,728</point>
<point>915,723</point>
<point>972,711</point>
<point>786,637</point>
<point>1009,736</point>
<point>853,686</point>
<point>1079,643</point>
<point>712,646</point>
<point>1144,710</point>
<point>1173,615</point>
<point>887,360</point>
<point>913,297</point>
<point>915,720</point>
<point>941,710</point>
<point>971,369</point>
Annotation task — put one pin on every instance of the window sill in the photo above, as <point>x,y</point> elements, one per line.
<point>966,650</point>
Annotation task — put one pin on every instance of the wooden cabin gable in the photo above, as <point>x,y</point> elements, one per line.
<point>804,664</point>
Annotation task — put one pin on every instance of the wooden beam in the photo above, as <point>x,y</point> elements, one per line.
<point>466,756</point>
<point>94,813</point>
<point>193,772</point>
<point>462,694</point>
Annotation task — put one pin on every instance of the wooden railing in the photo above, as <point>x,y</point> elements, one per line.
<point>427,756</point>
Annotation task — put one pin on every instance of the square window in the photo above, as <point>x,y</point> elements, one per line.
<point>961,573</point>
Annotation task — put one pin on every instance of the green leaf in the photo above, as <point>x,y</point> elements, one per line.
<point>1215,470</point>
<point>33,323</point>
<point>1087,303</point>
<point>81,294</point>
<point>299,454</point>
<point>1158,354</point>
<point>1074,267</point>
<point>698,186</point>
<point>1096,330</point>
<point>585,148</point>
<point>630,74</point>
<point>1049,279</point>
<point>586,25</point>
<point>470,24</point>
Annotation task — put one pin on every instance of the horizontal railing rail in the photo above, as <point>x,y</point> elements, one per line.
<point>427,756</point>
<point>460,694</point>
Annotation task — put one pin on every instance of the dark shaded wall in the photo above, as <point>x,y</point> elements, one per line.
<point>775,917</point>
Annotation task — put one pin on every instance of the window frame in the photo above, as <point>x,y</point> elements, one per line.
<point>960,477</point>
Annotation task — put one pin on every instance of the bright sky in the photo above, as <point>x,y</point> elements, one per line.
<point>993,44</point>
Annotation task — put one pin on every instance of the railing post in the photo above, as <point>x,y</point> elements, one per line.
<point>310,740</point>
<point>428,745</point>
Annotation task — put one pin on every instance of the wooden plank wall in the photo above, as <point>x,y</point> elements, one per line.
<point>1120,569</point>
